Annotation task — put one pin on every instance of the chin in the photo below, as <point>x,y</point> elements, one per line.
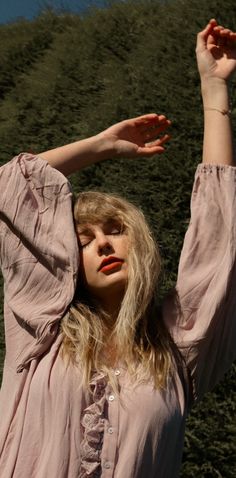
<point>115,284</point>
<point>115,281</point>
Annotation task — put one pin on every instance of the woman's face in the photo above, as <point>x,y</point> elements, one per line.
<point>103,255</point>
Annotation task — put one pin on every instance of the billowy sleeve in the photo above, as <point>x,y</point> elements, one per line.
<point>38,253</point>
<point>202,315</point>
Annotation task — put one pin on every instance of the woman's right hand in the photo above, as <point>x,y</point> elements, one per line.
<point>130,138</point>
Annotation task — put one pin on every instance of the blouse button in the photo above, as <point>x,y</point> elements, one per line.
<point>107,465</point>
<point>110,430</point>
<point>117,372</point>
<point>111,398</point>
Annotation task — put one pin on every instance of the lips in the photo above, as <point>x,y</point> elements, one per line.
<point>110,263</point>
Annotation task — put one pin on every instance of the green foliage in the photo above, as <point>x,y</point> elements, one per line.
<point>67,77</point>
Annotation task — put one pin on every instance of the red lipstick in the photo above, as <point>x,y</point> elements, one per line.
<point>110,263</point>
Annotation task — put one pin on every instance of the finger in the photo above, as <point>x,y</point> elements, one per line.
<point>213,22</point>
<point>158,142</point>
<point>220,34</point>
<point>152,134</point>
<point>142,151</point>
<point>154,147</point>
<point>228,36</point>
<point>223,37</point>
<point>203,36</point>
<point>161,140</point>
<point>224,32</point>
<point>146,121</point>
<point>151,128</point>
<point>219,29</point>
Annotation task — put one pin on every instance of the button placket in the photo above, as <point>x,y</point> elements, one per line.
<point>111,435</point>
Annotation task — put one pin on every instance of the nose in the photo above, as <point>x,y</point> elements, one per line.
<point>104,244</point>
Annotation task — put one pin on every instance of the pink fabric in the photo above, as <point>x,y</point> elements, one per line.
<point>51,427</point>
<point>93,421</point>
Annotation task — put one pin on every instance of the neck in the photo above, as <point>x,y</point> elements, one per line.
<point>111,305</point>
<point>110,300</point>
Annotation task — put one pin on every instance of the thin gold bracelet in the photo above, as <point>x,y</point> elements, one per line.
<point>223,112</point>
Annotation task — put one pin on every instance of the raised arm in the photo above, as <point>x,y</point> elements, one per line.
<point>201,316</point>
<point>216,57</point>
<point>129,138</point>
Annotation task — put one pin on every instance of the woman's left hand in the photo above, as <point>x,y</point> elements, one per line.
<point>137,136</point>
<point>216,52</point>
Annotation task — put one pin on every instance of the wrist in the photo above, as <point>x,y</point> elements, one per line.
<point>214,88</point>
<point>215,94</point>
<point>103,146</point>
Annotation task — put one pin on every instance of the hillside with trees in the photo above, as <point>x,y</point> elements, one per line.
<point>65,77</point>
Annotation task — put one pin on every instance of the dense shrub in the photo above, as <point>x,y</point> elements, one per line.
<point>64,77</point>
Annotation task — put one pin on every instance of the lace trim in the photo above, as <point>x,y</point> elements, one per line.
<point>92,422</point>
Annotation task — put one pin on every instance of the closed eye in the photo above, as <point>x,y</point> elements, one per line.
<point>84,242</point>
<point>113,228</point>
<point>86,236</point>
<point>115,231</point>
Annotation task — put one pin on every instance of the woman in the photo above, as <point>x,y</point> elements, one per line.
<point>102,387</point>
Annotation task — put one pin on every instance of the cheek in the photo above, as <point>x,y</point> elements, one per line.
<point>127,247</point>
<point>124,245</point>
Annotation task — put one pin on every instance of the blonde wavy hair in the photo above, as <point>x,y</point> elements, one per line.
<point>140,337</point>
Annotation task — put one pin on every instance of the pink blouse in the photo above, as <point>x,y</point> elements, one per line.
<point>51,427</point>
